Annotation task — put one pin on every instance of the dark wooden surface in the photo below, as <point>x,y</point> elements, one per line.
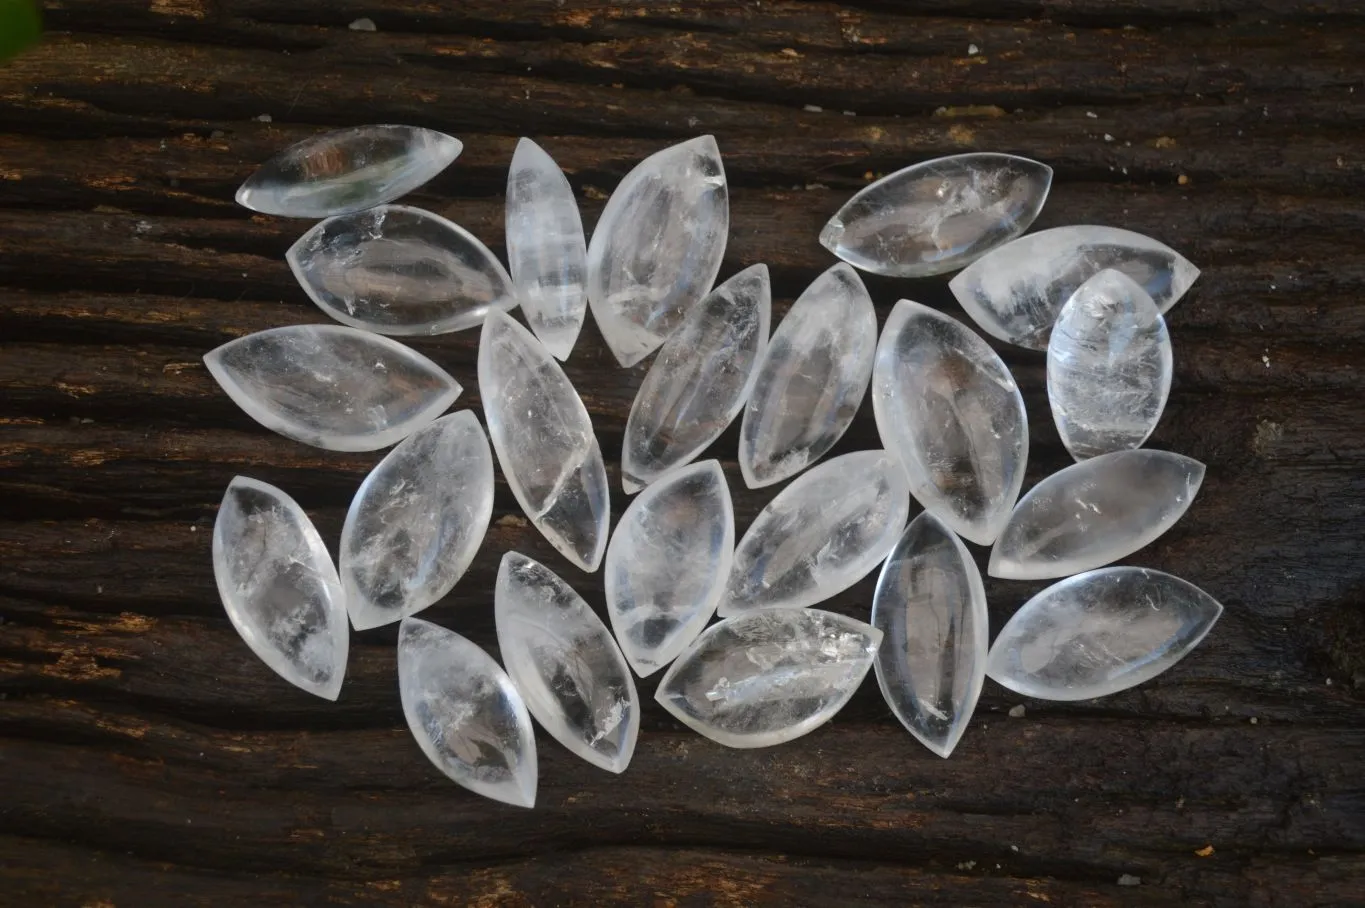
<point>149,759</point>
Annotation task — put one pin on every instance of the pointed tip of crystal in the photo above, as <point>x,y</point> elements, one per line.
<point>831,234</point>
<point>631,485</point>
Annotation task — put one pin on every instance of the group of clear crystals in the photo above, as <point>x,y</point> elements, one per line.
<point>949,413</point>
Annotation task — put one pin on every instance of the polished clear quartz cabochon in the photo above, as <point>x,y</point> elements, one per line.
<point>544,441</point>
<point>348,170</point>
<point>657,248</point>
<point>332,386</point>
<point>811,380</point>
<point>668,564</point>
<point>466,714</point>
<point>400,270</point>
<point>820,535</point>
<point>938,216</point>
<point>768,677</point>
<point>930,606</point>
<point>1100,632</point>
<point>565,663</point>
<point>1095,512</point>
<point>1015,292</point>
<point>1109,365</point>
<point>546,249</point>
<point>417,521</point>
<point>700,379</point>
<point>279,587</point>
<point>948,406</point>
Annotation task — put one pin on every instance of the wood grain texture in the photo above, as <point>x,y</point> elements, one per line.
<point>150,760</point>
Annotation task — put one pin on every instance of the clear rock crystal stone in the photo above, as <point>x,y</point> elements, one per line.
<point>417,521</point>
<point>938,216</point>
<point>400,270</point>
<point>544,441</point>
<point>699,381</point>
<point>279,587</point>
<point>565,664</point>
<point>948,406</point>
<point>1109,365</point>
<point>332,386</point>
<point>768,677</point>
<point>1015,292</point>
<point>668,563</point>
<point>348,170</point>
<point>811,381</point>
<point>466,714</point>
<point>546,249</point>
<point>1095,512</point>
<point>930,606</point>
<point>820,535</point>
<point>658,246</point>
<point>1099,633</point>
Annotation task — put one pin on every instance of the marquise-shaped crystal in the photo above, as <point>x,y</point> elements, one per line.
<point>820,535</point>
<point>938,216</point>
<point>699,381</point>
<point>348,170</point>
<point>279,587</point>
<point>668,563</point>
<point>400,270</point>
<point>466,714</point>
<point>930,606</point>
<point>544,440</point>
<point>1095,512</point>
<point>658,246</point>
<point>811,381</point>
<point>1109,366</point>
<point>417,521</point>
<point>332,386</point>
<point>768,677</point>
<point>546,249</point>
<point>565,664</point>
<point>948,406</point>
<point>1015,292</point>
<point>1099,633</point>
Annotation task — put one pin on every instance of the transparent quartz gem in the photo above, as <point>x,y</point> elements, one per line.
<point>279,587</point>
<point>565,663</point>
<point>938,216</point>
<point>400,270</point>
<point>332,386</point>
<point>348,170</point>
<point>768,677</point>
<point>1100,632</point>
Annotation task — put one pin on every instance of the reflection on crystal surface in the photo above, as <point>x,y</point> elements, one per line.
<point>1109,366</point>
<point>668,564</point>
<point>939,215</point>
<point>930,606</point>
<point>1015,292</point>
<point>1095,512</point>
<point>811,381</point>
<point>331,386</point>
<point>347,170</point>
<point>400,270</point>
<point>466,714</point>
<point>1099,633</point>
<point>820,535</point>
<point>544,441</point>
<point>768,677</point>
<point>949,407</point>
<point>699,381</point>
<point>279,587</point>
<point>657,248</point>
<point>417,521</point>
<point>546,250</point>
<point>565,664</point>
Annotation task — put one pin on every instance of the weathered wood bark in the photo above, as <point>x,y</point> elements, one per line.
<point>149,759</point>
